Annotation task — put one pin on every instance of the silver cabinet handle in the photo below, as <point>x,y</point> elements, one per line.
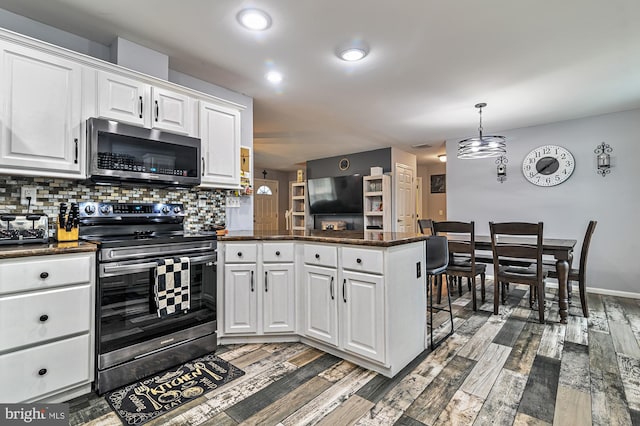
<point>157,110</point>
<point>266,286</point>
<point>202,166</point>
<point>331,289</point>
<point>140,106</point>
<point>252,287</point>
<point>75,161</point>
<point>344,296</point>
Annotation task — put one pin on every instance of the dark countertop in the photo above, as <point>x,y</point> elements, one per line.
<point>54,247</point>
<point>370,238</point>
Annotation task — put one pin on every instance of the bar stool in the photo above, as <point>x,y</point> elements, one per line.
<point>436,264</point>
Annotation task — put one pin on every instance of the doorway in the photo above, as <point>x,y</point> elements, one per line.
<point>265,205</point>
<point>405,204</point>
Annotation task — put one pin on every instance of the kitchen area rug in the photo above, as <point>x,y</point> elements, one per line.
<point>145,400</point>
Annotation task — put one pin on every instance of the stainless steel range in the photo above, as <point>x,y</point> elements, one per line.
<point>132,340</point>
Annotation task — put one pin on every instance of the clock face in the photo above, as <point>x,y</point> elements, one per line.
<point>548,165</point>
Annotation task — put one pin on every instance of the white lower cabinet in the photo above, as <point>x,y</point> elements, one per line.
<point>259,294</point>
<point>46,327</point>
<point>240,298</point>
<point>320,308</point>
<point>277,296</point>
<point>346,308</point>
<point>364,304</point>
<point>362,315</point>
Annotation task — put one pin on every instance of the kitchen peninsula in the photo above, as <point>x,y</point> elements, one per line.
<point>359,295</point>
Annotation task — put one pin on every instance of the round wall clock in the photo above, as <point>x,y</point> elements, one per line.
<point>548,165</point>
<point>343,164</point>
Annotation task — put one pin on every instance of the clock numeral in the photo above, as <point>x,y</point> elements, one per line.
<point>563,156</point>
<point>568,163</point>
<point>531,174</point>
<point>548,180</point>
<point>527,167</point>
<point>531,160</point>
<point>546,150</point>
<point>537,154</point>
<point>558,176</point>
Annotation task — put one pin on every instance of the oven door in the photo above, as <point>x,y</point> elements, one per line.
<point>128,324</point>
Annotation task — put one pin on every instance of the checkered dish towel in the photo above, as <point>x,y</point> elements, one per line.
<point>172,279</point>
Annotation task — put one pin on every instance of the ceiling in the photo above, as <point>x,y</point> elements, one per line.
<point>430,61</point>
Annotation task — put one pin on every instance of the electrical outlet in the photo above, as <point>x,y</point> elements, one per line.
<point>202,203</point>
<point>232,202</point>
<point>27,191</point>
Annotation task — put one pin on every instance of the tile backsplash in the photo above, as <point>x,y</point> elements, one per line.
<point>51,192</point>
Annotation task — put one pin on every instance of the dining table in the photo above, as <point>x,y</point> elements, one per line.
<point>561,249</point>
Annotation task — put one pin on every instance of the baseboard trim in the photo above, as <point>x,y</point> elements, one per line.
<point>595,290</point>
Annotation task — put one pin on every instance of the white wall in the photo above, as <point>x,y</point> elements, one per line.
<point>473,193</point>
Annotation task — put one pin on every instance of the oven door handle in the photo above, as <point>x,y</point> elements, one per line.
<point>112,270</point>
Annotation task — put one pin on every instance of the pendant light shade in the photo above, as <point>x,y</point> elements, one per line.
<point>482,146</point>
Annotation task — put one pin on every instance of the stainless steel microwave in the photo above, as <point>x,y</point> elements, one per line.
<point>122,153</point>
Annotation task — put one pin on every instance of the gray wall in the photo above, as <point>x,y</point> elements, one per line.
<point>614,201</point>
<point>359,163</point>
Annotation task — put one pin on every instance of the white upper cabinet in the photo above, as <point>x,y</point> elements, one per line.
<point>40,114</point>
<point>220,134</point>
<point>131,101</point>
<point>122,99</point>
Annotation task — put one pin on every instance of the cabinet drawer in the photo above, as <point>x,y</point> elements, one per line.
<point>364,260</point>
<point>35,317</point>
<point>315,254</point>
<point>37,371</point>
<point>277,252</point>
<point>236,253</point>
<point>41,272</point>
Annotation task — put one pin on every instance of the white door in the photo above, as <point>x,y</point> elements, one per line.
<point>123,99</point>
<point>220,134</point>
<point>240,299</point>
<point>405,196</point>
<point>170,111</point>
<point>265,205</point>
<point>362,314</point>
<point>278,297</point>
<point>40,115</point>
<point>321,304</point>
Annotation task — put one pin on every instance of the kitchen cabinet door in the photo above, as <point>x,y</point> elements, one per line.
<point>362,315</point>
<point>320,304</point>
<point>40,116</point>
<point>171,111</point>
<point>122,99</point>
<point>220,134</point>
<point>278,298</point>
<point>240,299</point>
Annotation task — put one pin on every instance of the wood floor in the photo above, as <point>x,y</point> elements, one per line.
<point>501,370</point>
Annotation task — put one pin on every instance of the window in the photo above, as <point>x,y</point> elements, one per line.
<point>264,190</point>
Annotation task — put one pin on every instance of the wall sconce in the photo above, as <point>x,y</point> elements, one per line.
<point>442,158</point>
<point>604,159</point>
<point>501,170</point>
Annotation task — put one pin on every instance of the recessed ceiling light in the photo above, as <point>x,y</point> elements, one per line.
<point>254,19</point>
<point>274,77</point>
<point>352,54</point>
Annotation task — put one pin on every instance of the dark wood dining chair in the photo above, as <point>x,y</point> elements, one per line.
<point>534,276</point>
<point>426,225</point>
<point>580,274</point>
<point>435,265</point>
<point>462,256</point>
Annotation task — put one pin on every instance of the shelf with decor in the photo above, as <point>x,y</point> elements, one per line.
<point>298,205</point>
<point>377,203</point>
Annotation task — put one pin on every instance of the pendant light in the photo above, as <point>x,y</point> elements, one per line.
<point>482,146</point>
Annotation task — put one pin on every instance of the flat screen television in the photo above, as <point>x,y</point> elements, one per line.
<point>335,195</point>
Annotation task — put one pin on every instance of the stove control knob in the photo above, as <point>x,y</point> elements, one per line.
<point>90,209</point>
<point>176,209</point>
<point>166,209</point>
<point>106,209</point>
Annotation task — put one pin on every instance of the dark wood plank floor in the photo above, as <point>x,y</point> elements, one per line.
<point>503,370</point>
